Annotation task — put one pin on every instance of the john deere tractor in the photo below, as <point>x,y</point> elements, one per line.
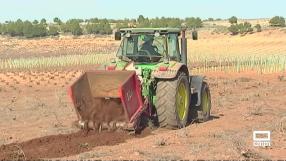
<point>149,77</point>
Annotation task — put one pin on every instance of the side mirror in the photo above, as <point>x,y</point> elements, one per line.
<point>117,35</point>
<point>195,35</point>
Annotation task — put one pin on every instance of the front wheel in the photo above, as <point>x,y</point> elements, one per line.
<point>205,107</point>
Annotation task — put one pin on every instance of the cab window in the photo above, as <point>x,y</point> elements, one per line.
<point>173,47</point>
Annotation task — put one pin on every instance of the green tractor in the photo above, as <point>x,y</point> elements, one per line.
<point>149,77</point>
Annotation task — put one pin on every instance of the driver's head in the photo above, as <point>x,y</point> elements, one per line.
<point>148,40</point>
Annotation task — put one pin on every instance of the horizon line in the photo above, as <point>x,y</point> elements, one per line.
<point>206,19</point>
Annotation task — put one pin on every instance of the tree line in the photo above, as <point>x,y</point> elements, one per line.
<point>31,29</point>
<point>41,29</point>
<point>246,27</point>
<point>78,27</point>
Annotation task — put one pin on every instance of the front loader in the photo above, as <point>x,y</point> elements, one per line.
<point>149,77</point>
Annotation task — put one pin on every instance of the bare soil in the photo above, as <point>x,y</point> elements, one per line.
<point>36,116</point>
<point>102,113</point>
<point>63,145</point>
<point>60,145</point>
<point>270,41</point>
<point>55,46</point>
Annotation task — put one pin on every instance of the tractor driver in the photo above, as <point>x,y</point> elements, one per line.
<point>149,47</point>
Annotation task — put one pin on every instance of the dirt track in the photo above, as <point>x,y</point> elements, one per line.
<point>241,103</point>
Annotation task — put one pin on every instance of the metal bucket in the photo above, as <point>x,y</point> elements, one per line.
<point>107,99</point>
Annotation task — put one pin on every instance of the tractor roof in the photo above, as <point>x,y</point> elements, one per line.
<point>151,30</point>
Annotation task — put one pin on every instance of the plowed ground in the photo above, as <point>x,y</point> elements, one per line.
<point>37,122</point>
<point>37,116</point>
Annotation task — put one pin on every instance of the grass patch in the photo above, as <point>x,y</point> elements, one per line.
<point>58,61</point>
<point>199,62</point>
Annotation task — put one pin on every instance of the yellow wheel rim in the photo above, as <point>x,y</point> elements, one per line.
<point>205,102</point>
<point>181,101</point>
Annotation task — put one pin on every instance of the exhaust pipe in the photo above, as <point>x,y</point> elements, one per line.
<point>184,47</point>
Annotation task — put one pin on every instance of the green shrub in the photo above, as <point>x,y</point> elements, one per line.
<point>233,20</point>
<point>194,22</point>
<point>102,27</point>
<point>143,22</point>
<point>258,27</point>
<point>141,19</point>
<point>91,28</point>
<point>35,22</point>
<point>44,22</point>
<point>277,21</point>
<point>13,28</point>
<point>165,22</point>
<point>93,20</point>
<point>53,31</point>
<point>245,28</point>
<point>39,30</point>
<point>72,26</point>
<point>75,29</point>
<point>234,29</point>
<point>242,28</point>
<point>57,21</point>
<point>28,29</point>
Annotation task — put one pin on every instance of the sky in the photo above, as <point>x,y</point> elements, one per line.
<point>119,9</point>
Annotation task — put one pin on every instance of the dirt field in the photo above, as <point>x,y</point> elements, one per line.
<point>263,22</point>
<point>37,117</point>
<point>241,103</point>
<point>270,41</point>
<point>63,45</point>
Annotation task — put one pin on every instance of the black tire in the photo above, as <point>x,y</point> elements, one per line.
<point>204,114</point>
<point>166,105</point>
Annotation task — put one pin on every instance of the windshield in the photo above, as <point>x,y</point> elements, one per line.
<point>143,47</point>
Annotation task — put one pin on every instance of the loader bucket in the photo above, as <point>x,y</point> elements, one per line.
<point>107,96</point>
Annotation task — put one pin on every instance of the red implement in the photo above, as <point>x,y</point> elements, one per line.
<point>107,96</point>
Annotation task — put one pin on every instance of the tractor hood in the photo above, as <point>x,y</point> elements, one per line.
<point>159,70</point>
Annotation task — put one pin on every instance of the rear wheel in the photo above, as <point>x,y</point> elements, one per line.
<point>173,100</point>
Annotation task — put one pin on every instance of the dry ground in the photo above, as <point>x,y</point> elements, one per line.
<point>263,22</point>
<point>271,41</point>
<point>241,103</point>
<point>34,104</point>
<point>63,45</point>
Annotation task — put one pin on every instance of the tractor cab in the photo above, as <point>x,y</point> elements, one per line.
<point>149,45</point>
